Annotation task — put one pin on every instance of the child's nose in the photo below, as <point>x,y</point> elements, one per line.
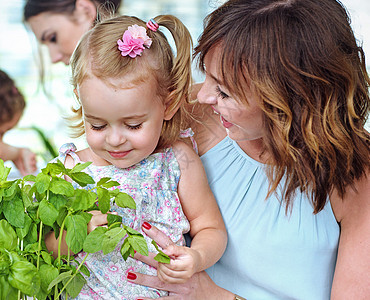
<point>115,137</point>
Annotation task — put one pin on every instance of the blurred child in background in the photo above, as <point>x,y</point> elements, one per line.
<point>12,105</point>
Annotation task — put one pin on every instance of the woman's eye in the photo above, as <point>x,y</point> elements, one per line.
<point>97,128</point>
<point>221,93</point>
<point>134,127</point>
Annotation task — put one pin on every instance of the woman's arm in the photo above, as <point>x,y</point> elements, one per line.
<point>199,287</point>
<point>351,278</point>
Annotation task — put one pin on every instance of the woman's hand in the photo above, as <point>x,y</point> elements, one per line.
<point>199,286</point>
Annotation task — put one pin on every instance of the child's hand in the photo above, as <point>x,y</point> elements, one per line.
<point>98,219</point>
<point>183,265</point>
<point>25,161</point>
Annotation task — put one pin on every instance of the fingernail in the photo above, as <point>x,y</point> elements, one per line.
<point>146,225</point>
<point>131,276</point>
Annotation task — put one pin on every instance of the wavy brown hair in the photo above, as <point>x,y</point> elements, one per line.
<point>302,60</point>
<point>97,55</point>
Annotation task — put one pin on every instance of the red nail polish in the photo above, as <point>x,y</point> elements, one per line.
<point>146,225</point>
<point>131,276</point>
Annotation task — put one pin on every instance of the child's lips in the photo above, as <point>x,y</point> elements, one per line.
<point>118,154</point>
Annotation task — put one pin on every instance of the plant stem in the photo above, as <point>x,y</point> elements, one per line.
<point>39,247</point>
<point>74,275</point>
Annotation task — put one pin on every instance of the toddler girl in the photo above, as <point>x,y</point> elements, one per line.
<point>131,89</point>
<point>12,105</point>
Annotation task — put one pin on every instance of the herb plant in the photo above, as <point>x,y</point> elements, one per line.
<point>32,206</point>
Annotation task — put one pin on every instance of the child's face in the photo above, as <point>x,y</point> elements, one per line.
<point>122,126</point>
<point>4,127</point>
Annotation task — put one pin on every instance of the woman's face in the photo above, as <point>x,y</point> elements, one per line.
<point>243,120</point>
<point>60,33</point>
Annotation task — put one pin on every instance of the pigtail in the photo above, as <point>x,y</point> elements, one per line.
<point>181,69</point>
<point>180,77</point>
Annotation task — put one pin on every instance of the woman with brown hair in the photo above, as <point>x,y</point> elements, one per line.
<point>60,24</point>
<point>286,152</point>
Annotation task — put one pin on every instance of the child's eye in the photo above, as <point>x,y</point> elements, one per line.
<point>53,38</point>
<point>134,127</point>
<point>97,128</point>
<point>221,93</point>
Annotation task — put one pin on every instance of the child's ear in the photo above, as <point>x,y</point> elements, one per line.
<point>171,107</point>
<point>86,8</point>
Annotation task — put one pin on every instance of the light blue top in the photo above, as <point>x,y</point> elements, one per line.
<point>270,254</point>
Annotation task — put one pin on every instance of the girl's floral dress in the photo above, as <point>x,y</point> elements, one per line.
<point>152,183</point>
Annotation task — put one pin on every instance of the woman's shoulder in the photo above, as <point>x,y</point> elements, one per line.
<point>355,201</point>
<point>206,125</point>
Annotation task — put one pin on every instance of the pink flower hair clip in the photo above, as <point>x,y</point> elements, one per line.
<point>134,41</point>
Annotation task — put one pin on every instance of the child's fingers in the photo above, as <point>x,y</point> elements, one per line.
<point>170,276</point>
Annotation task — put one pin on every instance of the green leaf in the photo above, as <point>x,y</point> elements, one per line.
<point>132,231</point>
<point>42,182</point>
<point>32,236</point>
<point>30,177</point>
<point>54,168</point>
<point>48,259</point>
<point>8,237</point>
<point>112,238</point>
<point>75,285</point>
<point>60,278</point>
<point>48,213</point>
<point>24,277</point>
<point>27,201</point>
<point>85,270</point>
<point>76,232</point>
<point>109,184</point>
<point>47,273</point>
<point>62,187</point>
<point>80,166</point>
<point>113,219</point>
<point>13,188</point>
<point>57,200</point>
<point>82,178</point>
<point>5,262</point>
<point>94,240</point>
<point>139,244</point>
<point>82,200</point>
<point>4,171</point>
<point>86,215</point>
<point>103,200</point>
<point>125,200</point>
<point>7,292</point>
<point>102,181</point>
<point>14,211</point>
<point>22,232</point>
<point>161,257</point>
<point>126,250</point>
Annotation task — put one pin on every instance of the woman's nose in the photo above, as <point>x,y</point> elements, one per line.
<point>55,55</point>
<point>206,95</point>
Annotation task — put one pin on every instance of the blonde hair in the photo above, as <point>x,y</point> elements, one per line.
<point>97,55</point>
